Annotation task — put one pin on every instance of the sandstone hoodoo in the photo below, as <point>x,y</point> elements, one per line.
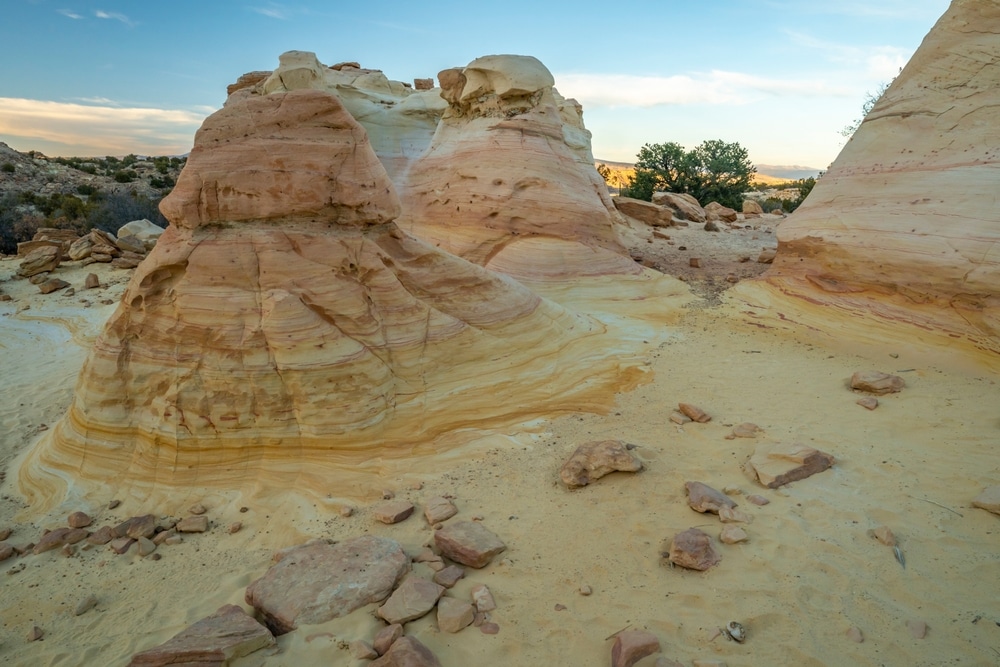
<point>902,227</point>
<point>283,316</point>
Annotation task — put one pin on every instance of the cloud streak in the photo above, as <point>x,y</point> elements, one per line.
<point>80,129</point>
<point>715,87</point>
<point>69,13</point>
<point>114,16</point>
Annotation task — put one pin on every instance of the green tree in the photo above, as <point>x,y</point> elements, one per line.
<point>713,171</point>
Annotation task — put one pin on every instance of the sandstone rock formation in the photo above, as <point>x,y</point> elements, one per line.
<point>527,199</point>
<point>903,228</point>
<point>284,325</point>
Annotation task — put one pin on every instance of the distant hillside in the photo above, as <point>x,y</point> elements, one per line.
<point>789,172</point>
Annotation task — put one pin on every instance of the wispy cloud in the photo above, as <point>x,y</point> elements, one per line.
<point>69,13</point>
<point>104,129</point>
<point>715,87</point>
<point>115,16</point>
<point>897,9</point>
<point>879,62</point>
<point>272,10</point>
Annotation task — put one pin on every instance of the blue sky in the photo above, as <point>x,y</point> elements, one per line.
<point>781,77</point>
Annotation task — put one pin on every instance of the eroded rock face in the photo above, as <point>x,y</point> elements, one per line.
<point>283,316</point>
<point>526,183</point>
<point>903,226</point>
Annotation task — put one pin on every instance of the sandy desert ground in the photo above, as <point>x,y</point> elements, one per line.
<point>809,572</point>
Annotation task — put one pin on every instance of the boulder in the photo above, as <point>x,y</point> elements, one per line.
<point>703,498</point>
<point>52,285</point>
<point>414,598</point>
<point>631,646</point>
<point>142,230</point>
<point>319,582</point>
<point>594,460</point>
<point>78,520</point>
<point>130,244</point>
<point>751,207</point>
<point>39,260</point>
<point>876,382</point>
<point>211,642</point>
<point>775,465</point>
<point>80,248</point>
<point>644,211</point>
<point>682,206</point>
<point>716,211</point>
<point>25,248</point>
<point>469,543</point>
<point>407,652</point>
<point>692,549</point>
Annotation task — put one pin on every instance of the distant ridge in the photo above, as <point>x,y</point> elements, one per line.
<point>793,172</point>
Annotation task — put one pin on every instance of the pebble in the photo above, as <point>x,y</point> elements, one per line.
<point>192,524</point>
<point>68,550</point>
<point>85,605</point>
<point>489,628</point>
<point>732,535</point>
<point>388,494</point>
<point>482,598</point>
<point>173,539</point>
<point>113,504</point>
<point>885,535</point>
<point>560,607</point>
<point>393,511</point>
<point>732,515</point>
<point>694,412</point>
<point>197,509</point>
<point>146,546</point>
<point>235,527</point>
<point>586,590</point>
<point>6,551</point>
<point>917,628</point>
<point>35,634</point>
<point>449,576</point>
<point>346,511</point>
<point>855,635</point>
<point>679,418</point>
<point>78,520</point>
<point>758,500</point>
<point>4,533</point>
<point>869,402</point>
<point>362,650</point>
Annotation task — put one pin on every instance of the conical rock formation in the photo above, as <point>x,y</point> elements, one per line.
<point>903,228</point>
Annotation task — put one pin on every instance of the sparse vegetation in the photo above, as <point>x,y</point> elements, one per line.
<point>713,171</point>
<point>8,168</point>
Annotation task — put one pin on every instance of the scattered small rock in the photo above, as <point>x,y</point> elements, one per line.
<point>869,402</point>
<point>692,549</point>
<point>988,499</point>
<point>489,628</point>
<point>197,509</point>
<point>91,281</point>
<point>777,464</point>
<point>694,413</point>
<point>733,534</point>
<point>703,498</point>
<point>746,430</point>
<point>766,256</point>
<point>393,511</point>
<point>192,524</point>
<point>35,634</point>
<point>694,262</point>
<point>78,520</point>
<point>136,527</point>
<point>679,418</point>
<point>411,600</point>
<point>235,527</point>
<point>52,285</point>
<point>454,615</point>
<point>758,500</point>
<point>362,650</point>
<point>594,460</point>
<point>85,605</point>
<point>876,382</point>
<point>113,504</point>
<point>733,515</point>
<point>438,509</point>
<point>6,551</point>
<point>407,652</point>
<point>631,646</point>
<point>121,545</point>
<point>917,628</point>
<point>855,635</point>
<point>346,511</point>
<point>469,543</point>
<point>448,576</point>
<point>4,533</point>
<point>885,535</point>
<point>101,536</point>
<point>385,637</point>
<point>483,598</point>
<point>146,546</point>
<point>586,590</point>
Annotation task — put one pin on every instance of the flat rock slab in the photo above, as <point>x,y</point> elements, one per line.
<point>693,549</point>
<point>631,646</point>
<point>213,641</point>
<point>703,498</point>
<point>407,652</point>
<point>54,539</point>
<point>594,460</point>
<point>988,500</point>
<point>412,600</point>
<point>438,509</point>
<point>393,511</point>
<point>454,615</point>
<point>876,382</point>
<point>319,582</point>
<point>775,465</point>
<point>469,543</point>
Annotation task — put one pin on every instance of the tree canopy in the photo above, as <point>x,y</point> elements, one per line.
<point>713,171</point>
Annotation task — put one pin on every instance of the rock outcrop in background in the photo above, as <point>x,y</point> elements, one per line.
<point>904,228</point>
<point>284,326</point>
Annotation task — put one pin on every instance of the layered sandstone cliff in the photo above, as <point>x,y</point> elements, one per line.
<point>284,326</point>
<point>904,228</point>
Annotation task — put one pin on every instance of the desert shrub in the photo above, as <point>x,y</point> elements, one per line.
<point>86,189</point>
<point>712,171</point>
<point>125,176</point>
<point>112,210</point>
<point>8,168</point>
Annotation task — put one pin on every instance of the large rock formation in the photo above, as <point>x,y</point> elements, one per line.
<point>283,326</point>
<point>508,181</point>
<point>903,228</point>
